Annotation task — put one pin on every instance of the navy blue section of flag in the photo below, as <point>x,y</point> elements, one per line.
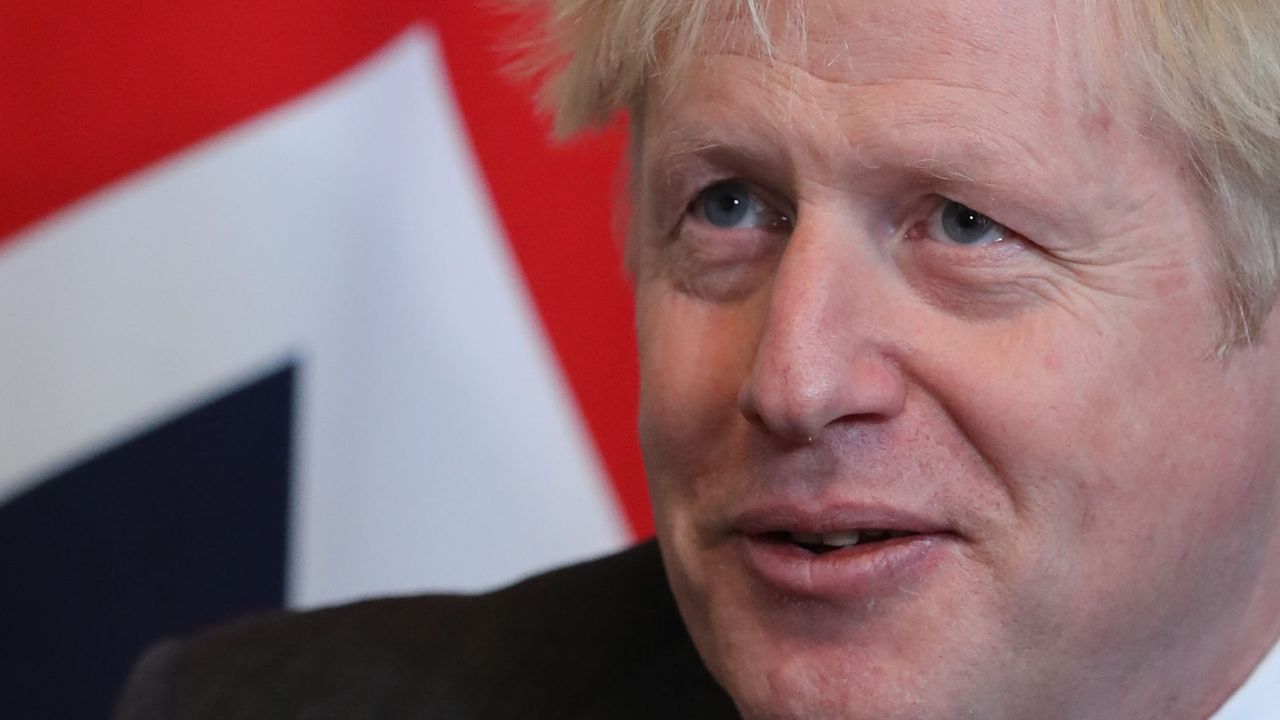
<point>171,530</point>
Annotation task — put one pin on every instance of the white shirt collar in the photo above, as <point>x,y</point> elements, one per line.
<point>1259,697</point>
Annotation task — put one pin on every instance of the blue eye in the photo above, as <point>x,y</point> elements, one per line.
<point>731,205</point>
<point>965,226</point>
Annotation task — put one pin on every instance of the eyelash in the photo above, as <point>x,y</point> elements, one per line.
<point>757,202</point>
<point>927,225</point>
<point>993,232</point>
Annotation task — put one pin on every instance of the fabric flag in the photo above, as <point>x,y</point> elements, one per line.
<point>300,307</point>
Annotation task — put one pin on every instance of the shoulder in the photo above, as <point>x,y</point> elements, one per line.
<point>600,639</point>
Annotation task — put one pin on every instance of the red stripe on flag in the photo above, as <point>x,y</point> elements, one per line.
<point>95,91</point>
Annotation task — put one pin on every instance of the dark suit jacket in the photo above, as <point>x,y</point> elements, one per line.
<point>597,640</point>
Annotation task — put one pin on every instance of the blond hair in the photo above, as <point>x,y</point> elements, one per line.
<point>1208,71</point>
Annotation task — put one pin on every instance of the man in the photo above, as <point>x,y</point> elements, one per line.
<point>960,381</point>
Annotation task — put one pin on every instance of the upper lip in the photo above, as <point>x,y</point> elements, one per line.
<point>796,518</point>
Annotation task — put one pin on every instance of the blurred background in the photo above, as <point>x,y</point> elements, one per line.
<point>299,306</point>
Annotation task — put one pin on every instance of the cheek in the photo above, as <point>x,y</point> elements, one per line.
<point>694,358</point>
<point>1128,456</point>
<point>1080,419</point>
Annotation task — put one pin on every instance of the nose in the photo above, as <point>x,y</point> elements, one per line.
<point>825,354</point>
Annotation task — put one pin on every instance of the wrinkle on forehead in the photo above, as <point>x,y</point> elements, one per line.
<point>812,38</point>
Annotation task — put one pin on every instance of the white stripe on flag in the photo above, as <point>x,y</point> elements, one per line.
<point>349,229</point>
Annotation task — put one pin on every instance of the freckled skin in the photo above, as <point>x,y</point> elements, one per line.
<point>1054,397</point>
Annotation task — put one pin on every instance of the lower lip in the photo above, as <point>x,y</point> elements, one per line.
<point>854,573</point>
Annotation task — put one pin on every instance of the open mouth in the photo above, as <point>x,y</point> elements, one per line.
<point>822,543</point>
<point>841,558</point>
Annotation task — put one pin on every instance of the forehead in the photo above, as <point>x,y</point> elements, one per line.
<point>1051,47</point>
<point>1034,50</point>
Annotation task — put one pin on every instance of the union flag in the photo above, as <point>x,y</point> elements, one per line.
<point>299,306</point>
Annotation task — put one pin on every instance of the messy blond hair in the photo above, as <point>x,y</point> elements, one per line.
<point>1208,72</point>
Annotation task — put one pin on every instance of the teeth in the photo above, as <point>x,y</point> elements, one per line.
<point>841,539</point>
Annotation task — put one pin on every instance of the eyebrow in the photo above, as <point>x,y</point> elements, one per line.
<point>760,150</point>
<point>675,152</point>
<point>994,167</point>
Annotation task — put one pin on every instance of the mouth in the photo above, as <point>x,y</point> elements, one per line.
<point>823,543</point>
<point>852,554</point>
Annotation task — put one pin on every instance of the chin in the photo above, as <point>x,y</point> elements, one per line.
<point>838,686</point>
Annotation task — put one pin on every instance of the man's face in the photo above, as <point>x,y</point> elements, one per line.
<point>924,276</point>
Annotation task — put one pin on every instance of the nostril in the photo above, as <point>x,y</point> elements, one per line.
<point>747,405</point>
<point>777,413</point>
